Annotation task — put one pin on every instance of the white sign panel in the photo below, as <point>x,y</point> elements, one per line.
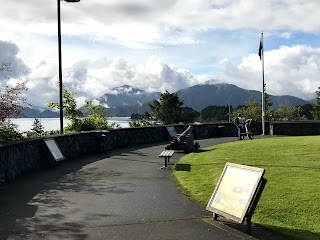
<point>54,149</point>
<point>234,191</point>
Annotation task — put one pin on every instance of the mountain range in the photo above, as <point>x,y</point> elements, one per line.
<point>126,100</point>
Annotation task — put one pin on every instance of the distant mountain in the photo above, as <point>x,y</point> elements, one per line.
<point>34,113</point>
<point>126,111</point>
<point>127,96</point>
<point>126,100</point>
<point>214,93</point>
<point>30,113</point>
<point>49,114</point>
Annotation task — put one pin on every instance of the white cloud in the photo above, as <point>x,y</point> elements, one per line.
<point>286,35</point>
<point>142,22</point>
<point>157,45</point>
<point>288,71</point>
<point>155,75</point>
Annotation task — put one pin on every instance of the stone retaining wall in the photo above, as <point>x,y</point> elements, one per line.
<point>301,128</point>
<point>23,156</point>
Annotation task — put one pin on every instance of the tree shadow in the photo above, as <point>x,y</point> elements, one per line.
<point>22,198</point>
<point>183,167</point>
<point>204,150</point>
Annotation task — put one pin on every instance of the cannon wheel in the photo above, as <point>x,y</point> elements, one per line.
<point>196,146</point>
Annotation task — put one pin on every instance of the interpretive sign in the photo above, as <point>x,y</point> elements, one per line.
<point>172,131</point>
<point>235,191</point>
<point>54,149</point>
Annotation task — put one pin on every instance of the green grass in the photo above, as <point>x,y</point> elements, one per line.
<point>290,202</point>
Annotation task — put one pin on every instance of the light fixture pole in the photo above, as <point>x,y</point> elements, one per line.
<point>60,64</point>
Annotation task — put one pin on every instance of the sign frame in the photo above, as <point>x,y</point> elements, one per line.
<point>225,199</point>
<point>171,131</point>
<point>54,149</point>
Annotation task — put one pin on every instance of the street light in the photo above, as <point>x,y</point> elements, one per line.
<point>60,63</point>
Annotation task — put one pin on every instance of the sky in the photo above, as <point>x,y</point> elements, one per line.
<point>160,45</point>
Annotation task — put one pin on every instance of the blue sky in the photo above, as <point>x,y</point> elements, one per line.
<point>157,45</point>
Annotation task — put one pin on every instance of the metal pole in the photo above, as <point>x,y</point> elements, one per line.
<point>60,69</point>
<point>263,95</point>
<point>229,113</point>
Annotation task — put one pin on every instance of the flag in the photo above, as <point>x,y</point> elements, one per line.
<point>260,49</point>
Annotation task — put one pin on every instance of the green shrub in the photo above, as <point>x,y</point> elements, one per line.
<point>9,132</point>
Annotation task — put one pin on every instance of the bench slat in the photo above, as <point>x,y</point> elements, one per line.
<point>167,153</point>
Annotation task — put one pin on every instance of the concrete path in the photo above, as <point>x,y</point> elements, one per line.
<point>122,194</point>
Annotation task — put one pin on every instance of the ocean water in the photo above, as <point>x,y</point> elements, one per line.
<point>25,124</point>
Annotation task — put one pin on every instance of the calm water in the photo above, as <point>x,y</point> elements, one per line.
<point>25,124</point>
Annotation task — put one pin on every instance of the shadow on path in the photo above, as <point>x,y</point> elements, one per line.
<point>21,198</point>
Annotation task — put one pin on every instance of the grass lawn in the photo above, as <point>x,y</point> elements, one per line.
<point>290,202</point>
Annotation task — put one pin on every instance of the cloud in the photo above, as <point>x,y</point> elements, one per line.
<point>154,75</point>
<point>286,35</point>
<point>9,54</point>
<point>288,71</point>
<point>92,79</point>
<point>143,23</point>
<point>157,45</point>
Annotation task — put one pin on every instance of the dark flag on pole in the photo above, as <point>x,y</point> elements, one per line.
<point>260,48</point>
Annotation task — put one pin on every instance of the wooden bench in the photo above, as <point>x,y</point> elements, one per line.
<point>166,154</point>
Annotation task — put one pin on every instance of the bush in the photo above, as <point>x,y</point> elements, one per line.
<point>9,132</point>
<point>91,122</point>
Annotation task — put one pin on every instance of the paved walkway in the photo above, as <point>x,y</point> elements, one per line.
<point>122,194</point>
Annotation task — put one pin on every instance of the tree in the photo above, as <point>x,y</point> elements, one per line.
<point>215,113</point>
<point>267,101</point>
<point>189,115</point>
<point>168,110</point>
<point>306,110</point>
<point>96,118</point>
<point>316,107</point>
<point>286,113</point>
<point>9,132</point>
<point>69,105</point>
<point>96,115</point>
<point>252,110</point>
<point>37,127</point>
<point>142,120</point>
<point>11,100</point>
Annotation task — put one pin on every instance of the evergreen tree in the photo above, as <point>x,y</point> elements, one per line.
<point>215,113</point>
<point>37,128</point>
<point>316,107</point>
<point>286,113</point>
<point>168,109</point>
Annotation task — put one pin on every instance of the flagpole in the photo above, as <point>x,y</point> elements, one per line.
<point>263,88</point>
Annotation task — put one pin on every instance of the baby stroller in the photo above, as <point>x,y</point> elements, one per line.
<point>250,127</point>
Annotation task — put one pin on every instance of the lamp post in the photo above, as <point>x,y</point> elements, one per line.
<point>60,63</point>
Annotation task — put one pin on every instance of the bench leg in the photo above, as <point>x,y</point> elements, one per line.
<point>165,161</point>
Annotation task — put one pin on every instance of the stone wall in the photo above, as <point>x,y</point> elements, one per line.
<point>28,155</point>
<point>299,128</point>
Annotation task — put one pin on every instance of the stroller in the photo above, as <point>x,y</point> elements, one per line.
<point>250,127</point>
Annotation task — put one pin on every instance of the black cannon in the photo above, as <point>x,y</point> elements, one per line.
<point>184,141</point>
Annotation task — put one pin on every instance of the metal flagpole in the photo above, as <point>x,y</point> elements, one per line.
<point>263,86</point>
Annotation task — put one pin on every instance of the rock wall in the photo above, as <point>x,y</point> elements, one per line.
<point>23,156</point>
<point>301,128</point>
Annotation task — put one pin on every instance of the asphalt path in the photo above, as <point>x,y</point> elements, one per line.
<point>120,194</point>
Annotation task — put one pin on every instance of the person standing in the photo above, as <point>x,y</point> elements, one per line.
<point>239,122</point>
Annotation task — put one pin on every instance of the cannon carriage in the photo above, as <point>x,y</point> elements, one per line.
<point>184,141</point>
